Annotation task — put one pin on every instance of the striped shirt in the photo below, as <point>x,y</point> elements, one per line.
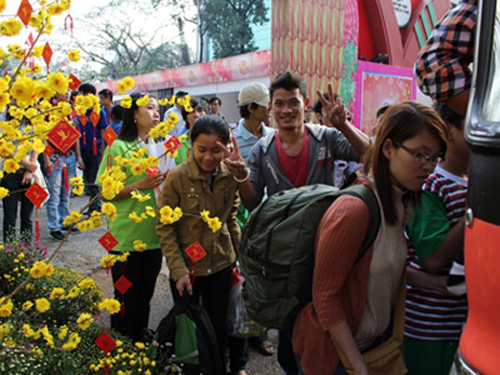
<point>245,139</point>
<point>442,66</point>
<point>430,315</point>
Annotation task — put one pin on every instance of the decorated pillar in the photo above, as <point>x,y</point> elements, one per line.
<point>317,39</point>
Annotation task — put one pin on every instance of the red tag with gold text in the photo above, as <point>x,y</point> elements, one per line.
<point>47,53</point>
<point>48,150</point>
<point>84,119</point>
<point>109,135</point>
<point>24,12</point>
<point>94,117</point>
<point>122,284</point>
<point>108,241</point>
<point>105,342</point>
<point>63,135</point>
<point>74,82</point>
<point>36,194</point>
<point>195,252</point>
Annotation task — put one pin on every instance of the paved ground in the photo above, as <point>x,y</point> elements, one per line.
<point>82,253</point>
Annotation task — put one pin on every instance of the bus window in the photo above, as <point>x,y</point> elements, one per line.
<point>487,124</point>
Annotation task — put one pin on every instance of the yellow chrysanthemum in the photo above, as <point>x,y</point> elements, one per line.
<point>42,305</point>
<point>84,321</point>
<point>110,304</point>
<point>57,293</point>
<point>27,305</point>
<point>6,308</point>
<point>86,283</point>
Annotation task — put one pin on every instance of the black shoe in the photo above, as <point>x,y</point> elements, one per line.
<point>58,235</point>
<point>74,230</point>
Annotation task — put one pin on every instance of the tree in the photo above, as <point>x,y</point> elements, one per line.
<point>121,39</point>
<point>228,23</point>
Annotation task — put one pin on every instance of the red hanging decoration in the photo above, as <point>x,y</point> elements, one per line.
<point>122,285</point>
<point>173,144</point>
<point>63,135</point>
<point>108,241</point>
<point>195,251</point>
<point>65,176</point>
<point>109,135</point>
<point>36,194</point>
<point>37,225</point>
<point>94,146</point>
<point>24,12</point>
<point>47,55</point>
<point>74,82</point>
<point>105,343</point>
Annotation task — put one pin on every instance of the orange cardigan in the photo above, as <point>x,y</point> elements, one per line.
<point>339,286</point>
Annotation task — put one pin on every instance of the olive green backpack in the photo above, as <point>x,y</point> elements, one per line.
<point>277,249</point>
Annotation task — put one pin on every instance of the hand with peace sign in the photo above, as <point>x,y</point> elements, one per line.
<point>234,161</point>
<point>335,109</point>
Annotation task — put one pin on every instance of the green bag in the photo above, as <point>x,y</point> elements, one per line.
<point>277,250</point>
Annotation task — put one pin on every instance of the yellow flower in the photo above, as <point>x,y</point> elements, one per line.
<point>74,55</point>
<point>86,283</point>
<point>37,68</point>
<point>128,82</point>
<point>28,331</point>
<point>154,133</point>
<point>143,101</point>
<point>140,246</point>
<point>27,305</point>
<point>108,261</point>
<point>136,194</point>
<point>63,331</point>
<point>3,5</point>
<point>73,342</point>
<point>57,293</point>
<point>85,225</point>
<point>140,345</point>
<point>43,91</point>
<point>6,148</point>
<point>42,305</point>
<point>137,219</point>
<point>78,185</point>
<point>213,223</point>
<point>38,269</point>
<point>3,192</point>
<point>57,82</point>
<point>84,321</point>
<point>49,269</point>
<point>109,210</point>
<point>126,101</point>
<point>110,304</point>
<point>169,216</point>
<point>10,27</point>
<point>23,90</point>
<point>150,211</point>
<point>6,308</point>
<point>74,292</point>
<point>38,146</point>
<point>172,117</point>
<point>72,218</point>
<point>4,100</point>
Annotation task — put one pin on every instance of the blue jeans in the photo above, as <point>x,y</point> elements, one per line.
<point>58,203</point>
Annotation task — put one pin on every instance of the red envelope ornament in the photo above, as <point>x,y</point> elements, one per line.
<point>94,117</point>
<point>110,135</point>
<point>63,135</point>
<point>47,53</point>
<point>105,343</point>
<point>173,144</point>
<point>108,241</point>
<point>36,194</point>
<point>122,284</point>
<point>74,82</point>
<point>24,12</point>
<point>195,252</point>
<point>48,150</point>
<point>84,119</point>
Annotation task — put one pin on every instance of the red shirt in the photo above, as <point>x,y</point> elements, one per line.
<point>295,167</point>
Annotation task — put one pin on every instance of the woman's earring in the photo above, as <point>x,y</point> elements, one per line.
<point>135,121</point>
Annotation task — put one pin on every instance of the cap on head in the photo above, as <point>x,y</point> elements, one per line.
<point>254,92</point>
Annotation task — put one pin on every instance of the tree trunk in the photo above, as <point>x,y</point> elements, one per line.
<point>184,47</point>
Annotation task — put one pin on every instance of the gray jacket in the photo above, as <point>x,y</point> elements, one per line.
<point>325,146</point>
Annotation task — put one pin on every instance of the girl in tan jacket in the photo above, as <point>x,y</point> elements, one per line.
<point>203,183</point>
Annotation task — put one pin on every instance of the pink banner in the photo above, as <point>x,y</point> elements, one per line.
<point>379,85</point>
<point>249,65</point>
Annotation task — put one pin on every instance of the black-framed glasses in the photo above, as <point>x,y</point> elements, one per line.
<point>421,157</point>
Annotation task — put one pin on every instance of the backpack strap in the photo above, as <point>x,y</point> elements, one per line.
<point>367,195</point>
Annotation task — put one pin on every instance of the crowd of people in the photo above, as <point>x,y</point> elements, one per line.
<point>415,162</point>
